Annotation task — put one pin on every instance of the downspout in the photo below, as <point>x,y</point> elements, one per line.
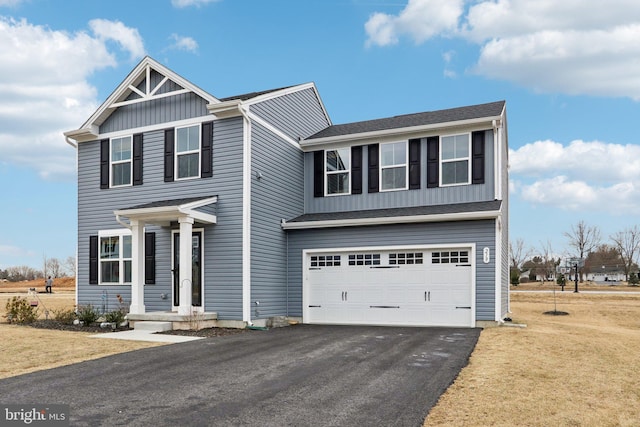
<point>246,217</point>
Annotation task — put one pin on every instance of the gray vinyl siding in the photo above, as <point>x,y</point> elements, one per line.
<point>163,110</point>
<point>403,198</point>
<point>298,114</point>
<point>277,195</point>
<point>481,232</point>
<point>222,241</point>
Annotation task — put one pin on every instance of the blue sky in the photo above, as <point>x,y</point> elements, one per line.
<point>569,73</point>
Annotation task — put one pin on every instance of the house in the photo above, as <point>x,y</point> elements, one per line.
<point>246,209</point>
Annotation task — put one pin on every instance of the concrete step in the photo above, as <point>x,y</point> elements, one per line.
<point>152,326</point>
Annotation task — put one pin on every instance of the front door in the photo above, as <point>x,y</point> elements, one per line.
<point>196,270</point>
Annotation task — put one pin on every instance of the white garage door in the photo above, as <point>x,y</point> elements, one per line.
<point>421,287</point>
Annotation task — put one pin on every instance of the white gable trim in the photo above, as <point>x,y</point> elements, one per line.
<point>141,71</point>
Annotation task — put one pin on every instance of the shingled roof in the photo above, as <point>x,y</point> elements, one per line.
<point>491,109</point>
<point>246,96</point>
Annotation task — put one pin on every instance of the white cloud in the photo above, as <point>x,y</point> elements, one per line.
<point>583,175</point>
<point>44,89</point>
<point>183,43</point>
<point>549,46</point>
<point>420,20</point>
<point>188,3</point>
<point>128,38</point>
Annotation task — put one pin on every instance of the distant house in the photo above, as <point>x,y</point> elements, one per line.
<point>256,207</point>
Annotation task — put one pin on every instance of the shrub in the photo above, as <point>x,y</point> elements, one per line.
<point>88,314</point>
<point>19,310</point>
<point>115,316</point>
<point>633,279</point>
<point>64,315</point>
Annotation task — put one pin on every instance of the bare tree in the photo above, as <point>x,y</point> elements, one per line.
<point>518,253</point>
<point>584,239</point>
<point>627,243</point>
<point>54,267</point>
<point>549,262</point>
<point>70,266</point>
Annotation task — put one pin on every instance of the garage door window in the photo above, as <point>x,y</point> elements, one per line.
<point>325,261</point>
<point>405,258</point>
<point>364,259</point>
<point>451,257</point>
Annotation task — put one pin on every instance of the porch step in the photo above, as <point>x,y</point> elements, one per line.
<point>153,326</point>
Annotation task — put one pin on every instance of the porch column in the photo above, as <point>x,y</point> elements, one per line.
<point>186,264</point>
<point>137,267</point>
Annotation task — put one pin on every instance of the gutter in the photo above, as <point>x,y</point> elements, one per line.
<point>358,222</point>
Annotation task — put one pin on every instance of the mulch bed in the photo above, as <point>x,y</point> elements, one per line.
<point>95,328</point>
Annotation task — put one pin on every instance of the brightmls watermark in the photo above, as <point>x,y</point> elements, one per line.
<point>34,415</point>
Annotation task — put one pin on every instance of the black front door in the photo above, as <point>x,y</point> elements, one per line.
<point>196,270</point>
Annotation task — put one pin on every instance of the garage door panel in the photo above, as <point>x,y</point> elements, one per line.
<point>416,287</point>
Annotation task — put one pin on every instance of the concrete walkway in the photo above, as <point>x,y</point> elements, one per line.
<point>143,335</point>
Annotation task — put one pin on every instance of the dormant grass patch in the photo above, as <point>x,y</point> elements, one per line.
<point>24,349</point>
<point>576,370</point>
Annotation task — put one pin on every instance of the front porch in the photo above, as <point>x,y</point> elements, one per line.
<point>193,321</point>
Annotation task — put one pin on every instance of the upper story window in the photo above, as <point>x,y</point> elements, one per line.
<point>115,257</point>
<point>338,170</point>
<point>455,161</point>
<point>393,166</point>
<point>188,152</point>
<point>121,164</point>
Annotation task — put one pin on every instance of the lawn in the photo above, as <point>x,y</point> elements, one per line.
<point>24,349</point>
<point>576,370</point>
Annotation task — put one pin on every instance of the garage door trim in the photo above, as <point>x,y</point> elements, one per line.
<point>306,266</point>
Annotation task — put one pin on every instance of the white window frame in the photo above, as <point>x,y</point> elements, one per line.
<point>397,165</point>
<point>457,159</point>
<point>119,233</point>
<point>188,152</point>
<point>120,162</point>
<point>336,172</point>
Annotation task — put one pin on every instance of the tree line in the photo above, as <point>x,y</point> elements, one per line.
<point>617,255</point>
<point>53,267</point>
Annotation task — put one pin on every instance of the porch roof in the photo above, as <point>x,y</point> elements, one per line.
<point>165,211</point>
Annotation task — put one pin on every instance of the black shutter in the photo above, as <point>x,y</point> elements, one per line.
<point>149,258</point>
<point>433,169</point>
<point>414,164</point>
<point>93,260</point>
<point>137,159</point>
<point>477,157</point>
<point>206,170</point>
<point>104,163</point>
<point>356,170</point>
<point>168,154</point>
<point>318,173</point>
<point>373,168</point>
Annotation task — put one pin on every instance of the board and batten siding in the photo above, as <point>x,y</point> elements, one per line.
<point>154,112</point>
<point>276,195</point>
<point>480,232</point>
<point>402,198</point>
<point>298,114</point>
<point>222,241</point>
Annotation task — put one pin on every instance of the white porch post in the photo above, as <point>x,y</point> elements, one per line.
<point>186,267</point>
<point>137,267</point>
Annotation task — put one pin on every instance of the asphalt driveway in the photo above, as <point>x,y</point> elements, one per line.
<point>300,376</point>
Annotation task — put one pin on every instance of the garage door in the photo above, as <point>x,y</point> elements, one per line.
<point>390,287</point>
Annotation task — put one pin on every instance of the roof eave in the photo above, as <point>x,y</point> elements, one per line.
<point>357,222</point>
<point>316,142</point>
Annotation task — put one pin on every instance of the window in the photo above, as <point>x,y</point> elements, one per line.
<point>450,257</point>
<point>115,257</point>
<point>338,168</point>
<point>405,258</point>
<point>364,259</point>
<point>393,166</point>
<point>325,261</point>
<point>121,164</point>
<point>454,159</point>
<point>188,152</point>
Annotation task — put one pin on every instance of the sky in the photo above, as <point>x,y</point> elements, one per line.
<point>569,72</point>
